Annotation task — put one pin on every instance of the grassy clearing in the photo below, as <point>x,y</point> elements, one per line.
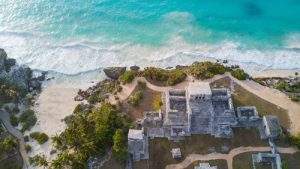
<point>244,161</point>
<point>292,160</point>
<point>160,155</point>
<point>149,102</point>
<point>222,164</point>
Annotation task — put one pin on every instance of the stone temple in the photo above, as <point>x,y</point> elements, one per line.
<point>198,109</point>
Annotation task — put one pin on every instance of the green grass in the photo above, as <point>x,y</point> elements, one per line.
<point>160,148</point>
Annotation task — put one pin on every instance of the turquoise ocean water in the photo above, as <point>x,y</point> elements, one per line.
<point>73,36</point>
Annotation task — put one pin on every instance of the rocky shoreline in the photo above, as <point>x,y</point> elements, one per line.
<point>19,75</point>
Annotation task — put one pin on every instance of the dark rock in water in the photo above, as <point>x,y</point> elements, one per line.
<point>36,85</point>
<point>114,72</point>
<point>134,68</point>
<point>225,61</point>
<point>42,77</point>
<point>50,78</point>
<point>252,9</point>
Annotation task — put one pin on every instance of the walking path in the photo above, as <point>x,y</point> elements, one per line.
<point>273,96</point>
<point>5,119</point>
<point>228,157</point>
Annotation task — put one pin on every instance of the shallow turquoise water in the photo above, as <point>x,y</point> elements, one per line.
<point>259,25</point>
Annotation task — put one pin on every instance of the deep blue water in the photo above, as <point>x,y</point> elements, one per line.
<point>72,36</point>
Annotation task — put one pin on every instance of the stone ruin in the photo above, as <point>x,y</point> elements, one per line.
<point>198,109</point>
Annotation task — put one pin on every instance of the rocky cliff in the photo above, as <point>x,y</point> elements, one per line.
<point>19,75</point>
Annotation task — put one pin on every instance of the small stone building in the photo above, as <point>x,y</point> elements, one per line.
<point>271,126</point>
<point>138,145</point>
<point>205,166</point>
<point>270,158</point>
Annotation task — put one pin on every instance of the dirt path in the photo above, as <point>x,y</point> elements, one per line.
<point>5,119</point>
<point>228,157</point>
<point>273,96</point>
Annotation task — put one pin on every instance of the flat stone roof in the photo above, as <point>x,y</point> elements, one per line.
<point>135,134</point>
<point>199,88</point>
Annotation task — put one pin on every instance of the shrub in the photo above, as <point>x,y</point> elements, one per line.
<point>136,98</point>
<point>26,138</point>
<point>205,70</point>
<point>38,160</point>
<point>119,88</point>
<point>28,119</point>
<point>41,138</point>
<point>127,77</point>
<point>282,86</point>
<point>295,98</point>
<point>14,121</point>
<point>28,148</point>
<point>141,84</point>
<point>239,74</point>
<point>171,77</point>
<point>295,140</point>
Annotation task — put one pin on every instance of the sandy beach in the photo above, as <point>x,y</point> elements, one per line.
<point>53,104</point>
<point>275,73</point>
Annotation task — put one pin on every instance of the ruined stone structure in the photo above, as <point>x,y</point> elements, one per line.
<point>270,158</point>
<point>138,145</point>
<point>205,166</point>
<point>271,126</point>
<point>198,109</point>
<point>176,153</point>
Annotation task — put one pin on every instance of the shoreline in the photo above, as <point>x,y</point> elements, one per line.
<point>56,101</point>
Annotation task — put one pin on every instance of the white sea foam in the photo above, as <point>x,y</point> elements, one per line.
<point>76,57</point>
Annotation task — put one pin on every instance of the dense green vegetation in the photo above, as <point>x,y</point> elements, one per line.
<point>285,86</point>
<point>127,77</point>
<point>136,98</point>
<point>41,138</point>
<point>27,119</point>
<point>7,145</point>
<point>170,77</point>
<point>10,92</point>
<point>14,120</point>
<point>206,70</point>
<point>90,134</point>
<point>120,145</point>
<point>239,74</point>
